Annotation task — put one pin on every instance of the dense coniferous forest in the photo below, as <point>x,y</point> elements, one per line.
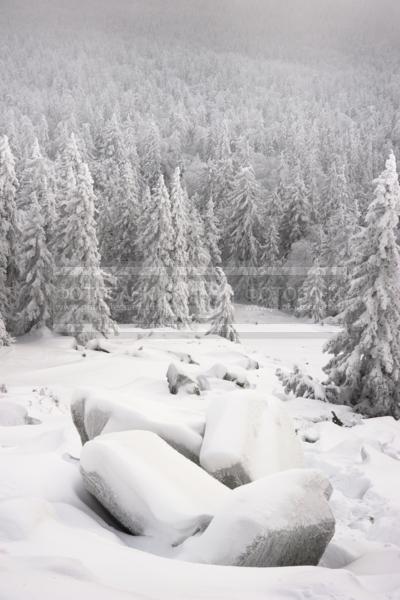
<point>147,146</point>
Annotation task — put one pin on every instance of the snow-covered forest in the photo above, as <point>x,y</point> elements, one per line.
<point>199,225</point>
<point>276,156</point>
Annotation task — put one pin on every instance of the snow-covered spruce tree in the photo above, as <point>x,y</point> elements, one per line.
<point>243,235</point>
<point>221,169</point>
<point>223,317</point>
<point>38,177</point>
<point>302,385</point>
<point>270,253</point>
<point>180,258</point>
<point>122,253</point>
<point>151,155</point>
<point>5,338</point>
<point>67,167</point>
<point>341,229</point>
<point>199,267</point>
<point>82,309</point>
<point>212,233</point>
<point>8,230</point>
<point>36,201</point>
<point>366,353</point>
<point>296,217</point>
<point>36,291</point>
<point>117,189</point>
<point>312,295</point>
<point>153,293</point>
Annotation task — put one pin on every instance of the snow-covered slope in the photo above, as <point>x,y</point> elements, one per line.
<point>57,542</point>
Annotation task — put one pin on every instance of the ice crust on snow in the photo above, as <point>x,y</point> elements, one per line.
<point>248,437</point>
<point>149,487</point>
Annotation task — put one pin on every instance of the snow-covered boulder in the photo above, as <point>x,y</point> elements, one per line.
<point>248,437</point>
<point>13,414</point>
<point>235,374</point>
<point>183,357</point>
<point>281,520</point>
<point>94,415</point>
<point>149,487</point>
<point>178,379</point>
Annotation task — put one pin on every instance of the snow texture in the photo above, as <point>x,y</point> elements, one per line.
<point>247,438</point>
<point>13,414</point>
<point>57,541</point>
<point>149,487</point>
<point>94,415</point>
<point>281,520</point>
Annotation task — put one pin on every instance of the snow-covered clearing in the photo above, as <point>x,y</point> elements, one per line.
<point>56,542</point>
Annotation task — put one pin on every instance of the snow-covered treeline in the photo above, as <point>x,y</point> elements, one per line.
<point>143,148</point>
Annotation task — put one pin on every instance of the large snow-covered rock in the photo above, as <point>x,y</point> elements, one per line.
<point>94,415</point>
<point>281,520</point>
<point>236,375</point>
<point>178,379</point>
<point>13,414</point>
<point>149,487</point>
<point>248,437</point>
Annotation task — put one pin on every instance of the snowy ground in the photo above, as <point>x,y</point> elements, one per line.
<point>54,541</point>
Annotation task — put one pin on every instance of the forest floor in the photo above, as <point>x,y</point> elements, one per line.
<point>54,545</point>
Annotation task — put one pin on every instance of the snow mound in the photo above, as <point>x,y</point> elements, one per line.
<point>236,375</point>
<point>248,437</point>
<point>149,487</point>
<point>178,379</point>
<point>13,414</point>
<point>281,520</point>
<point>55,577</point>
<point>19,517</point>
<point>93,415</point>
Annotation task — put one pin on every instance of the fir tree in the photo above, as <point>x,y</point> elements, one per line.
<point>117,188</point>
<point>5,339</point>
<point>312,295</point>
<point>243,234</point>
<point>223,318</point>
<point>270,252</point>
<point>124,248</point>
<point>151,156</point>
<point>342,228</point>
<point>212,233</point>
<point>38,177</point>
<point>157,239</point>
<point>36,292</point>
<point>8,229</point>
<point>221,168</point>
<point>199,267</point>
<point>296,218</point>
<point>271,238</point>
<point>180,259</point>
<point>209,231</point>
<point>67,167</point>
<point>84,313</point>
<point>366,361</point>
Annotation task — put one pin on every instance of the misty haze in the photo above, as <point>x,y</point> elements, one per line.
<point>199,299</point>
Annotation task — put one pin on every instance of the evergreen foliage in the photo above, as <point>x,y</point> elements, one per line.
<point>223,318</point>
<point>366,353</point>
